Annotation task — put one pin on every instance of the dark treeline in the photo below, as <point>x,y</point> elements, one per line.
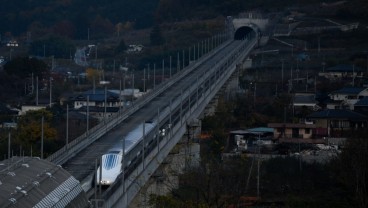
<point>19,16</point>
<point>73,18</point>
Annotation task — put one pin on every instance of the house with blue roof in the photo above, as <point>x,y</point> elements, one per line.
<point>342,71</point>
<point>305,100</point>
<point>93,103</point>
<point>347,97</point>
<point>338,122</point>
<point>96,98</point>
<point>362,106</point>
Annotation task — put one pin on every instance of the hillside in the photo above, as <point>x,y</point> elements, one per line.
<point>75,18</point>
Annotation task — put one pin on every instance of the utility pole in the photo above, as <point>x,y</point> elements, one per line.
<point>50,92</point>
<point>42,137</point>
<point>353,75</point>
<point>282,72</point>
<point>87,113</point>
<point>170,66</point>
<point>120,96</point>
<point>154,76</point>
<point>144,80</point>
<point>37,91</point>
<point>178,64</point>
<point>163,70</point>
<point>9,145</point>
<point>67,126</point>
<point>183,59</point>
<point>258,165</point>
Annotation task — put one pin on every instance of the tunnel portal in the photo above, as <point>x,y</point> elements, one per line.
<point>242,32</point>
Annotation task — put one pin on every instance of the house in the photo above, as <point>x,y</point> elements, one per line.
<point>342,71</point>
<point>245,140</point>
<point>296,132</point>
<point>98,112</point>
<point>362,106</point>
<point>346,97</point>
<point>304,100</point>
<point>338,122</point>
<point>26,108</point>
<point>96,98</point>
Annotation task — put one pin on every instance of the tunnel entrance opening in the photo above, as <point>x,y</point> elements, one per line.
<point>242,32</point>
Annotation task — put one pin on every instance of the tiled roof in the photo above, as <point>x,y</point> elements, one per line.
<point>98,109</point>
<point>349,90</point>
<point>362,102</point>
<point>344,68</point>
<point>305,99</point>
<point>291,125</point>
<point>338,114</point>
<point>97,96</point>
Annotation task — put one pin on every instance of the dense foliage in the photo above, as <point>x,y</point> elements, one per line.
<point>24,67</point>
<point>78,19</point>
<point>76,16</point>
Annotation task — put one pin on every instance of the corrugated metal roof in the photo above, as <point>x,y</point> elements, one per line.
<point>261,130</point>
<point>32,182</point>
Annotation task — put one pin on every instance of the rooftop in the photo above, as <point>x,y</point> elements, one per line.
<point>349,90</point>
<point>338,114</point>
<point>32,182</point>
<point>344,68</point>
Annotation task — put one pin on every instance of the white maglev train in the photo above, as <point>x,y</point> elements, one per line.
<point>112,161</point>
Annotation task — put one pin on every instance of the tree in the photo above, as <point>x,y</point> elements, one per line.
<point>352,168</point>
<point>24,66</point>
<point>121,47</point>
<point>64,28</point>
<point>57,46</point>
<point>156,37</point>
<point>29,130</point>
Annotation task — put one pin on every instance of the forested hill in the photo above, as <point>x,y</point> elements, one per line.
<point>76,16</point>
<point>73,18</point>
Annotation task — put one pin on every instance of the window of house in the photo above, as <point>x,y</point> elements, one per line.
<point>345,124</point>
<point>307,130</point>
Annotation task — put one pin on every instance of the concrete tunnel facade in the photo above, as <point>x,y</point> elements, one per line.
<point>242,32</point>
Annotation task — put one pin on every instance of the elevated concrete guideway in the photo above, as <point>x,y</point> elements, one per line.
<point>170,105</point>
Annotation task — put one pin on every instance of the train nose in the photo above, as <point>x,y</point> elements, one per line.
<point>105,182</point>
